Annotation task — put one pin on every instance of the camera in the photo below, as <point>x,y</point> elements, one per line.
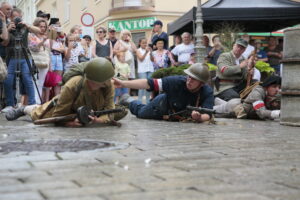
<point>75,44</point>
<point>18,23</point>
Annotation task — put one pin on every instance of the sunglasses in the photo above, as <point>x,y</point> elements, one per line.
<point>99,32</point>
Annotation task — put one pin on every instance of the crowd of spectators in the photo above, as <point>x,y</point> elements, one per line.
<point>61,51</point>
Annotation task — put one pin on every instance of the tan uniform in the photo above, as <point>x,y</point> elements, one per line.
<point>229,72</point>
<point>75,93</point>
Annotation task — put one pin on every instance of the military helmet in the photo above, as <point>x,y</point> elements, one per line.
<point>198,71</point>
<point>99,70</point>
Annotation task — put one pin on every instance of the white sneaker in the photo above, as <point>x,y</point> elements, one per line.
<point>6,109</point>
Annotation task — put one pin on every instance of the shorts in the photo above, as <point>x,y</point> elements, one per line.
<point>56,62</point>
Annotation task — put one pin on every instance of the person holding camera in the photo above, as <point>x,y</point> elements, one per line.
<point>17,52</point>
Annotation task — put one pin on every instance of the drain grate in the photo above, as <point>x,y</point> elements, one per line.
<point>64,145</point>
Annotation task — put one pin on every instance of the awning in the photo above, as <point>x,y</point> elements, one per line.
<point>252,15</point>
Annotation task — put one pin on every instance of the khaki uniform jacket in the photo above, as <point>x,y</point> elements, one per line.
<point>255,104</point>
<point>71,99</point>
<point>229,70</point>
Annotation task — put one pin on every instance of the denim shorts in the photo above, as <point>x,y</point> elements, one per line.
<point>56,63</point>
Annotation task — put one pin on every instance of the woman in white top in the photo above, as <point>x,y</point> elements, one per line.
<point>126,45</point>
<point>145,66</point>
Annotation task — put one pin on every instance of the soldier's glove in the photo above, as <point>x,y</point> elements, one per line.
<point>275,114</point>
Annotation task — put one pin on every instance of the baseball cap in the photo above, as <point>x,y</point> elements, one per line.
<point>257,41</point>
<point>112,29</point>
<point>242,42</point>
<point>157,22</point>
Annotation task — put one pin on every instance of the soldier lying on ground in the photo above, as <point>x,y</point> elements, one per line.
<point>261,103</point>
<point>179,92</point>
<point>94,89</point>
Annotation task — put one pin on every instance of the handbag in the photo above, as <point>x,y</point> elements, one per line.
<point>52,79</point>
<point>3,70</point>
<point>41,58</point>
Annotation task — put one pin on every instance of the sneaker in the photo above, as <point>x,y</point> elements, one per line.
<point>125,100</point>
<point>14,114</point>
<point>6,109</point>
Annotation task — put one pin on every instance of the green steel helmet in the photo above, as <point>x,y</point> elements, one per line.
<point>99,70</point>
<point>198,71</point>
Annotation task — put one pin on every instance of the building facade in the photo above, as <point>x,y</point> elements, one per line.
<point>134,15</point>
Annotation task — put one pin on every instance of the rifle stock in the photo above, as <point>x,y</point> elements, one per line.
<point>55,119</point>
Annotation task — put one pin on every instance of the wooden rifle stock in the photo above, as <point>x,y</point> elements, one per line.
<point>66,118</point>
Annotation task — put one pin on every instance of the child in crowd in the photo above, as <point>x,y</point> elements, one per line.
<point>73,51</point>
<point>122,72</point>
<point>145,65</point>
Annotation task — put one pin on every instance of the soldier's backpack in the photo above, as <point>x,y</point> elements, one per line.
<point>76,70</point>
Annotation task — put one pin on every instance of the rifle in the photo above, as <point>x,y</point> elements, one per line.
<point>82,114</point>
<point>184,114</point>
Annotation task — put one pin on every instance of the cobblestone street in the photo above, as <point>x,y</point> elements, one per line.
<point>234,159</point>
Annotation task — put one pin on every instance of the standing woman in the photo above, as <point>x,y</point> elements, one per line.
<point>39,45</point>
<point>162,57</point>
<point>102,47</point>
<point>125,44</point>
<point>145,66</point>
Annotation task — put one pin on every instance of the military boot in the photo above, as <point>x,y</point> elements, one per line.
<point>125,100</point>
<point>15,113</point>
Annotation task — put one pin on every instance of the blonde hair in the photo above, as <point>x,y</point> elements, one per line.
<point>39,20</point>
<point>125,31</point>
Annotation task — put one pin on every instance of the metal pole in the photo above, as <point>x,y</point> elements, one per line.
<point>199,48</point>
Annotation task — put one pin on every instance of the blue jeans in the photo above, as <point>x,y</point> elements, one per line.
<point>25,78</point>
<point>142,93</point>
<point>277,69</point>
<point>153,110</point>
<point>119,92</point>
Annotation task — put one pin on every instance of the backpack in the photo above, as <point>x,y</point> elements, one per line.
<point>76,70</point>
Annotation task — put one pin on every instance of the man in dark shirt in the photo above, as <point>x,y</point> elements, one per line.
<point>157,33</point>
<point>179,92</point>
<point>112,36</point>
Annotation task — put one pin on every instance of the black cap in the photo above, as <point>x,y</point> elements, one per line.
<point>43,15</point>
<point>157,22</point>
<point>271,80</point>
<point>53,21</point>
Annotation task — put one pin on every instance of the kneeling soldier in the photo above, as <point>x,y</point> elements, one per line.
<point>178,93</point>
<point>92,89</point>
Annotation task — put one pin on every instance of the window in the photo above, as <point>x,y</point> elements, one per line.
<point>54,10</point>
<point>84,4</point>
<point>67,10</point>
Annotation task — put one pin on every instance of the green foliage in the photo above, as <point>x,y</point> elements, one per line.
<point>212,67</point>
<point>170,71</point>
<point>264,67</point>
<point>228,33</point>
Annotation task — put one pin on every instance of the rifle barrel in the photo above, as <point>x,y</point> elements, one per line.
<point>201,110</point>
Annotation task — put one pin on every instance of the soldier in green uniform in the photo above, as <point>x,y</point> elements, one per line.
<point>94,89</point>
<point>232,72</point>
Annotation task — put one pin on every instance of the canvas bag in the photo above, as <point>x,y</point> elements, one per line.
<point>3,70</point>
<point>41,58</point>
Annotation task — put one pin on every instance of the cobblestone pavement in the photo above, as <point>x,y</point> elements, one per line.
<point>235,159</point>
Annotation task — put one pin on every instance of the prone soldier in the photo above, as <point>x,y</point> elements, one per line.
<point>92,89</point>
<point>178,93</point>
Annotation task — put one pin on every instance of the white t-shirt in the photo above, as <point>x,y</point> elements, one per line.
<point>248,51</point>
<point>75,52</point>
<point>146,65</point>
<point>183,52</point>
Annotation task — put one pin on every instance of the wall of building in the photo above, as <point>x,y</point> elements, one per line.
<point>70,12</point>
